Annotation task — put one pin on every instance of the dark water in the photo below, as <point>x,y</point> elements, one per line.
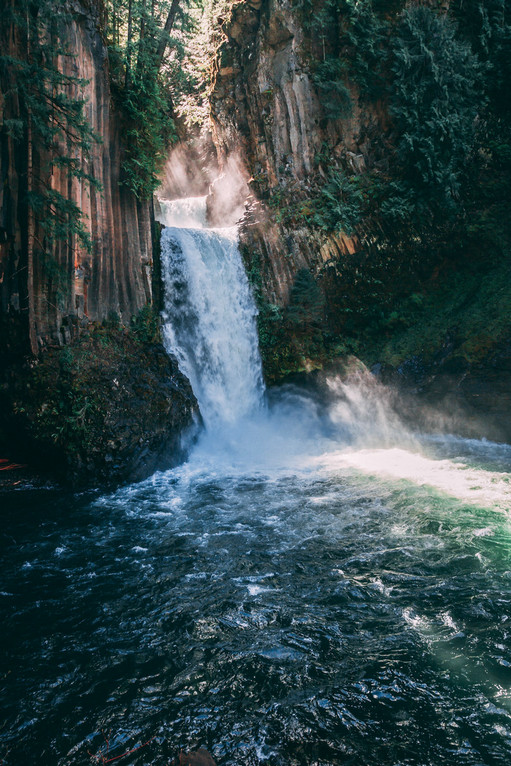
<point>327,611</point>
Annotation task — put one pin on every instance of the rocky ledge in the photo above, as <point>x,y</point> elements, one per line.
<point>111,408</point>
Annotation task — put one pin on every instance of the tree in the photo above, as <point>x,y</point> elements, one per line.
<point>147,41</point>
<point>306,303</point>
<point>434,102</point>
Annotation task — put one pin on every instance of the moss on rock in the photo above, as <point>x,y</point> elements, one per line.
<point>112,407</point>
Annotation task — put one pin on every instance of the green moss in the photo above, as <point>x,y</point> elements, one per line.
<point>62,399</point>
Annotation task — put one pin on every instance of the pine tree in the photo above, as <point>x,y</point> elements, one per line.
<point>147,41</point>
<point>434,102</point>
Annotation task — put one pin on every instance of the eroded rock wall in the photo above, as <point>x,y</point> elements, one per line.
<point>267,107</point>
<point>88,400</point>
<point>115,277</point>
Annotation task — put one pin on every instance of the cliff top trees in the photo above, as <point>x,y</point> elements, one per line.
<point>435,102</point>
<point>147,41</point>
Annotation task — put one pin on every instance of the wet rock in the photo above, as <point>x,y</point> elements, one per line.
<point>199,757</point>
<point>107,410</point>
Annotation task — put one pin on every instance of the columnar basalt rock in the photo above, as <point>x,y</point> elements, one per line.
<point>87,399</point>
<point>115,277</point>
<point>266,105</point>
<point>301,130</point>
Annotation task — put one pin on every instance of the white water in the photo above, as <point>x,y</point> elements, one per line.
<point>210,314</point>
<point>356,430</point>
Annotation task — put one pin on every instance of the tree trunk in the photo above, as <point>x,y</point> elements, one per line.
<point>162,47</point>
<point>141,41</point>
<point>128,44</point>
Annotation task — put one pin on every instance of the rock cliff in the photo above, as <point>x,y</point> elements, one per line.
<point>87,391</point>
<point>266,106</point>
<point>312,110</point>
<point>44,299</point>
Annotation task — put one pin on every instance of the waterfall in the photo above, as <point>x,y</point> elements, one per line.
<point>209,313</point>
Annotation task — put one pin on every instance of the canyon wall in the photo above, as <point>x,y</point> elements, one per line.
<point>87,391</point>
<point>416,286</point>
<point>266,106</point>
<point>45,297</point>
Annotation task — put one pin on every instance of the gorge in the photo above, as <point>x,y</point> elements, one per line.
<point>267,511</point>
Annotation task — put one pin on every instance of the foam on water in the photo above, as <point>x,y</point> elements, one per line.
<point>475,486</point>
<point>210,326</point>
<point>187,213</point>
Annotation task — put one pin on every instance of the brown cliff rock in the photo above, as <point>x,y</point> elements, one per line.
<point>267,107</point>
<point>103,403</point>
<point>116,275</point>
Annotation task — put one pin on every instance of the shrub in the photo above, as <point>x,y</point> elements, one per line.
<point>434,103</point>
<point>339,204</point>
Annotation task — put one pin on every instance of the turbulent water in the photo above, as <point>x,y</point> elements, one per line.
<point>317,585</point>
<point>210,314</point>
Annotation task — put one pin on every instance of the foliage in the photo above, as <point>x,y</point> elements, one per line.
<point>437,181</point>
<point>334,205</point>
<point>137,34</point>
<point>336,98</point>
<point>58,278</point>
<point>160,69</point>
<point>291,339</point>
<point>304,314</point>
<point>434,102</point>
<point>471,305</point>
<point>339,204</point>
<point>192,72</point>
<point>352,36</point>
<point>146,325</point>
<point>72,388</point>
<point>306,303</point>
<point>149,131</point>
<point>365,37</point>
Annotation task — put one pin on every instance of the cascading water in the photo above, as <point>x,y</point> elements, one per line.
<point>210,313</point>
<point>316,585</point>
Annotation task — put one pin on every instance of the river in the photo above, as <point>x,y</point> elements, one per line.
<point>318,584</point>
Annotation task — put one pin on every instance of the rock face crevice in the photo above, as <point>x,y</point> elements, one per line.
<point>115,277</point>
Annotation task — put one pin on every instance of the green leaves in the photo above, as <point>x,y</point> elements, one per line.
<point>150,129</point>
<point>329,78</point>
<point>138,34</point>
<point>339,205</point>
<point>434,102</point>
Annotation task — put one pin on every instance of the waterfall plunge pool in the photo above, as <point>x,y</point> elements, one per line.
<point>316,585</point>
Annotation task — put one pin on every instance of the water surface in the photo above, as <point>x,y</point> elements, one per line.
<point>317,585</point>
<point>317,610</point>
